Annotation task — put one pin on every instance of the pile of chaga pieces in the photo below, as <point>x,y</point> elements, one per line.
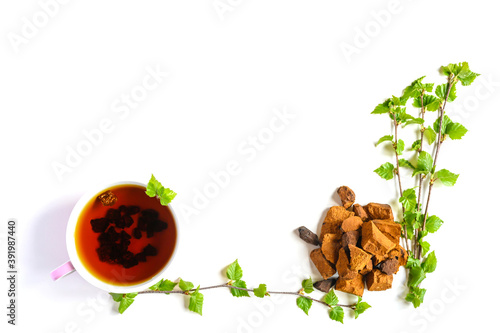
<point>361,243</point>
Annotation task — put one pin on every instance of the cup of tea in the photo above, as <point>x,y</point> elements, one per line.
<point>120,246</point>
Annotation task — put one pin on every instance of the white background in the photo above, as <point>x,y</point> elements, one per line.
<point>227,73</point>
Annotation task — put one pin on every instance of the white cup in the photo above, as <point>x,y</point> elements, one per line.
<point>75,263</point>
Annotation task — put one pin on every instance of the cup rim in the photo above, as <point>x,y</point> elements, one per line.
<point>75,260</point>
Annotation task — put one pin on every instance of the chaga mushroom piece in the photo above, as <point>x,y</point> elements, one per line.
<point>330,248</point>
<point>354,286</point>
<point>347,196</point>
<point>350,237</point>
<point>374,241</point>
<point>344,267</point>
<point>377,281</point>
<point>351,223</point>
<point>360,211</point>
<point>390,229</point>
<point>324,267</point>
<point>403,256</point>
<point>378,211</point>
<point>389,266</point>
<point>325,285</point>
<point>308,236</point>
<point>107,198</point>
<point>359,258</point>
<point>334,218</point>
<point>368,268</point>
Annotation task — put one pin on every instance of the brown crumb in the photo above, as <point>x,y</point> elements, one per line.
<point>107,198</point>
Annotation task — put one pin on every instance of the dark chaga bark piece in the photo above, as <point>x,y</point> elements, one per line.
<point>107,198</point>
<point>308,236</point>
<point>347,196</point>
<point>390,266</point>
<point>325,285</point>
<point>350,237</point>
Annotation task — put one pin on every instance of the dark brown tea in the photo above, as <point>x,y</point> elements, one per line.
<point>129,242</point>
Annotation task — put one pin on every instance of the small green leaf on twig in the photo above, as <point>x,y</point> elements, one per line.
<point>304,304</point>
<point>261,291</point>
<point>196,301</point>
<point>337,313</point>
<point>307,286</point>
<point>386,171</point>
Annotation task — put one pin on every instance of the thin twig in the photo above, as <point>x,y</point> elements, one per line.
<point>399,175</point>
<point>353,306</point>
<point>438,146</point>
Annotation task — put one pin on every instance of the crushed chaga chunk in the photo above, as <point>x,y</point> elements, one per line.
<point>389,228</point>
<point>376,280</point>
<point>347,196</point>
<point>360,211</point>
<point>330,248</point>
<point>150,250</point>
<point>114,245</point>
<point>107,198</point>
<point>325,285</point>
<point>324,267</point>
<point>344,267</point>
<point>308,236</point>
<point>389,266</point>
<point>378,211</point>
<point>350,238</point>
<point>355,286</point>
<point>374,241</point>
<point>351,223</point>
<point>359,258</point>
<point>99,225</point>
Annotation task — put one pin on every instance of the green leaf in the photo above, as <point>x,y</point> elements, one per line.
<point>400,147</point>
<point>386,171</point>
<point>117,297</point>
<point>416,296</point>
<point>185,285</point>
<point>433,223</point>
<point>166,195</point>
<point>384,138</point>
<point>446,177</point>
<point>382,108</point>
<point>360,308</point>
<point>155,188</point>
<point>455,131</point>
<point>153,184</point>
<point>416,145</point>
<point>424,163</point>
<point>196,301</point>
<point>430,135</point>
<point>419,121</point>
<point>442,89</point>
<point>446,121</point>
<point>307,285</point>
<point>430,102</point>
<point>125,303</point>
<point>467,78</point>
<point>337,313</point>
<point>164,285</point>
<point>412,262</point>
<point>416,276</point>
<point>131,295</point>
<point>430,263</point>
<point>261,291</point>
<point>425,246</point>
<point>408,199</point>
<point>330,298</point>
<point>238,292</point>
<point>304,304</point>
<point>406,164</point>
<point>234,271</point>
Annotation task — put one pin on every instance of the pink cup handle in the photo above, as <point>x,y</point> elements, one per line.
<point>62,270</point>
